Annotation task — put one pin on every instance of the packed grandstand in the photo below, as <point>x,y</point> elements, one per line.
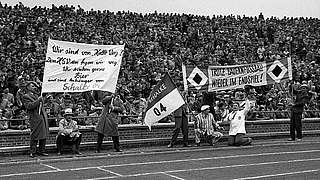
<point>156,43</point>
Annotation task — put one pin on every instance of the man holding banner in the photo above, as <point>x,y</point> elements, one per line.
<point>108,122</point>
<point>39,125</point>
<point>78,67</point>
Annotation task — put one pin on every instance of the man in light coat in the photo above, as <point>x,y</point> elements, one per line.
<point>38,119</point>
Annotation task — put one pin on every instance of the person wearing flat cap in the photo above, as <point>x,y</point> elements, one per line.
<point>237,131</point>
<point>39,126</point>
<point>301,97</point>
<point>68,133</point>
<point>206,126</point>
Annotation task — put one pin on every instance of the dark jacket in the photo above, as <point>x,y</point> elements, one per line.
<point>302,97</point>
<point>108,122</point>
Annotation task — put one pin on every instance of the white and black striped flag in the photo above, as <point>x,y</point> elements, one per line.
<point>163,100</point>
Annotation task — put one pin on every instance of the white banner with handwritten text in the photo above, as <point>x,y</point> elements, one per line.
<point>76,67</point>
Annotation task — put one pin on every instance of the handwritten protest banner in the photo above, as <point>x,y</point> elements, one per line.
<point>216,78</point>
<point>76,67</point>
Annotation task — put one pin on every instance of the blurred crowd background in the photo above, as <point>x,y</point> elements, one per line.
<point>156,43</point>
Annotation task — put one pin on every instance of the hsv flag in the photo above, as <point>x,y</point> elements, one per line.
<point>163,100</point>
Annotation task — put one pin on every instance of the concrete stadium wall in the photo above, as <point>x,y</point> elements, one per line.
<point>12,140</point>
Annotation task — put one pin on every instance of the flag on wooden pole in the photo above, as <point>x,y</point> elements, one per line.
<point>163,100</point>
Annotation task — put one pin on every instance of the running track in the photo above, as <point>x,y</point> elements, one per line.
<point>264,160</point>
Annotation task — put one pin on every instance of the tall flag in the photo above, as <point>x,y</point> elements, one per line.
<point>217,78</point>
<point>163,100</point>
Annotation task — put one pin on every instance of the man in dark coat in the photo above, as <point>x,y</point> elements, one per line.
<point>38,119</point>
<point>181,122</point>
<point>108,122</point>
<point>302,96</point>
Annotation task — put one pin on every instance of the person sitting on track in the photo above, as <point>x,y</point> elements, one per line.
<point>68,133</point>
<point>205,125</point>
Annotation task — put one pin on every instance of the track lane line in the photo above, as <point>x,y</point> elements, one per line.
<point>141,153</point>
<point>173,176</point>
<point>162,162</point>
<point>51,167</point>
<point>206,168</point>
<point>109,171</point>
<point>275,175</point>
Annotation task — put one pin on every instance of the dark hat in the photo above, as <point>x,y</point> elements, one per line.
<point>32,82</point>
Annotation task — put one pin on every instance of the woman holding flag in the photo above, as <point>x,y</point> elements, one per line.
<point>108,122</point>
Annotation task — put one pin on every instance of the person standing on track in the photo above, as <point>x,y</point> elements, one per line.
<point>302,96</point>
<point>108,122</point>
<point>39,125</point>
<point>181,122</point>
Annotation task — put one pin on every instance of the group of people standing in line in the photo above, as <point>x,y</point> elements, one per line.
<point>69,133</point>
<point>205,125</point>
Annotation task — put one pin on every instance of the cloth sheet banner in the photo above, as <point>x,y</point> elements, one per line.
<point>76,67</point>
<point>217,78</point>
<point>163,100</point>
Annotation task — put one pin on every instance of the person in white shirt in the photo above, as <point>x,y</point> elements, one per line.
<point>237,131</point>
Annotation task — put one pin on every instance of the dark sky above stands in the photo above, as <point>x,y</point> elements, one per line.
<point>278,8</point>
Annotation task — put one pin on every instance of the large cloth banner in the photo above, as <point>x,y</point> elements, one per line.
<point>163,100</point>
<point>75,67</point>
<point>217,78</point>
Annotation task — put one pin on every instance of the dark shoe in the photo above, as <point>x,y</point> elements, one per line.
<point>32,155</point>
<point>79,153</point>
<point>170,145</point>
<point>117,150</point>
<point>186,145</point>
<point>291,139</point>
<point>43,154</point>
<point>198,144</point>
<point>59,153</point>
<point>97,151</point>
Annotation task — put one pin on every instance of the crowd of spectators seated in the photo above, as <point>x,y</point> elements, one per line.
<point>154,43</point>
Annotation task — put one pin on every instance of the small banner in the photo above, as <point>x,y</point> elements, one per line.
<point>75,67</point>
<point>217,78</point>
<point>163,100</point>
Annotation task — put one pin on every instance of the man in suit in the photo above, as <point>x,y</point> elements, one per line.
<point>302,96</point>
<point>38,119</point>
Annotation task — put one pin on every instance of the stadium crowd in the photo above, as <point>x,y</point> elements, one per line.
<point>155,43</point>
